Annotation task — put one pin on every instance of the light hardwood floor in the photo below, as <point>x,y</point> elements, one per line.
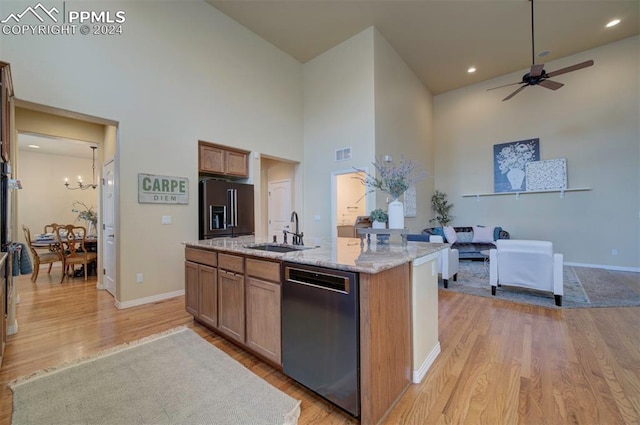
<point>501,363</point>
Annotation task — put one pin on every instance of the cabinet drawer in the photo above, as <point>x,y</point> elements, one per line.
<point>267,270</point>
<point>231,262</point>
<point>201,256</point>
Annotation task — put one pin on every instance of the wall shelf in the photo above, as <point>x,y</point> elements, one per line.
<point>517,194</point>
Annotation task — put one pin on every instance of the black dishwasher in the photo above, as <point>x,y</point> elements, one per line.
<point>320,332</point>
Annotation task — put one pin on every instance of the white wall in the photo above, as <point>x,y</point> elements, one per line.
<point>593,122</point>
<point>338,112</point>
<point>403,122</point>
<point>181,71</point>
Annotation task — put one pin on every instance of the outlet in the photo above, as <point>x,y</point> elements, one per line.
<point>614,251</point>
<point>139,278</point>
<point>166,219</point>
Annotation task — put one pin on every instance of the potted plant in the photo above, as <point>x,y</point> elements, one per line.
<point>378,218</point>
<point>441,207</point>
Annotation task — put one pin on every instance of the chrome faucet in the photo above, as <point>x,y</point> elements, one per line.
<point>297,235</point>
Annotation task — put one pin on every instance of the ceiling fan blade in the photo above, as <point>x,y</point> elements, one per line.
<point>514,93</point>
<point>550,84</point>
<point>570,68</point>
<point>536,70</point>
<point>506,85</point>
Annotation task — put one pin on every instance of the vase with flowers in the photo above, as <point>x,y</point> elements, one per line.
<point>87,214</point>
<point>394,179</point>
<point>512,160</point>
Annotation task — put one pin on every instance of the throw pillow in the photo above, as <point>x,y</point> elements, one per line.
<point>464,237</point>
<point>482,234</point>
<point>437,231</point>
<point>450,234</point>
<point>496,233</point>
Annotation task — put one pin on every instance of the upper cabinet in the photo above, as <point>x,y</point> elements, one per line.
<point>222,160</point>
<point>6,92</point>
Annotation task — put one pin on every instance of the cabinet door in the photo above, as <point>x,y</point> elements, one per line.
<point>231,304</point>
<point>263,318</point>
<point>208,300</point>
<point>236,163</point>
<point>211,159</point>
<point>191,290</point>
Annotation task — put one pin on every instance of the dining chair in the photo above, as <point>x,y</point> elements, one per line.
<point>73,251</point>
<point>38,257</point>
<point>50,228</point>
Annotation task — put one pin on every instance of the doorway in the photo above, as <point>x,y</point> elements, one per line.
<point>76,130</point>
<point>350,200</point>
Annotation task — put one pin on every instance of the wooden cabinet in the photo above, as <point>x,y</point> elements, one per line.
<point>6,93</point>
<point>240,298</point>
<point>263,306</point>
<point>201,285</point>
<point>222,160</point>
<point>208,302</point>
<point>231,313</point>
<point>191,291</point>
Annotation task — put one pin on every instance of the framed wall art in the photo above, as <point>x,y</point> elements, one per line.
<point>509,164</point>
<point>549,174</point>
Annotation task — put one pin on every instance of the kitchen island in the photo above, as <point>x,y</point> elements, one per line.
<point>235,289</point>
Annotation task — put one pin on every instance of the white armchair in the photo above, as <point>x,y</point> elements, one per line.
<point>448,261</point>
<point>528,264</point>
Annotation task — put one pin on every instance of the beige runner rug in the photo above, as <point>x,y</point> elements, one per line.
<point>175,378</point>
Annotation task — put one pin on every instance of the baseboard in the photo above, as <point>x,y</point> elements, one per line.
<point>148,300</point>
<point>12,329</point>
<point>604,266</point>
<point>426,364</point>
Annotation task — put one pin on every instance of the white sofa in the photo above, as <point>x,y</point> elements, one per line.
<point>448,262</point>
<point>528,264</point>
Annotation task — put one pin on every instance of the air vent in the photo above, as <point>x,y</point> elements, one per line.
<point>343,154</point>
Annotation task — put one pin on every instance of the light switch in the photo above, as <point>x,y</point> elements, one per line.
<point>166,219</point>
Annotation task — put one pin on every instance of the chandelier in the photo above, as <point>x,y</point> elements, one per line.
<point>81,185</point>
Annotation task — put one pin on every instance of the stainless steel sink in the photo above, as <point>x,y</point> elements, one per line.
<point>276,247</point>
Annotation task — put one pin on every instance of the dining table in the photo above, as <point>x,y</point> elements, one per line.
<point>50,242</point>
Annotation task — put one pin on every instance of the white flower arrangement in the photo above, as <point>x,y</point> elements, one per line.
<point>515,156</point>
<point>393,179</point>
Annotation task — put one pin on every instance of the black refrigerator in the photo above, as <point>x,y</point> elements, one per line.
<point>225,209</point>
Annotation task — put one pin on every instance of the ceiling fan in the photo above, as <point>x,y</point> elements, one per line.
<point>537,76</point>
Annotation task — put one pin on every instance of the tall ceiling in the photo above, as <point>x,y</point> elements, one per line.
<point>441,39</point>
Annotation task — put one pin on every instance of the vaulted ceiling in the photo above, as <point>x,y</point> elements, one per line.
<point>441,39</point>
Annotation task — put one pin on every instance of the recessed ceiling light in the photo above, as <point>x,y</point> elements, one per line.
<point>34,146</point>
<point>471,70</point>
<point>613,23</point>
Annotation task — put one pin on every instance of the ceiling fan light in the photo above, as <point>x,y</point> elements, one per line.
<point>471,70</point>
<point>613,23</point>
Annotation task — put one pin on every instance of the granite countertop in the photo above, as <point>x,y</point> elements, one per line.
<point>338,253</point>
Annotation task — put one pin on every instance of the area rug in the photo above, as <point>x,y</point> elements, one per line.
<point>600,288</point>
<point>177,378</point>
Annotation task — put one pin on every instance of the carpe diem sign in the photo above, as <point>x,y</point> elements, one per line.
<point>154,189</point>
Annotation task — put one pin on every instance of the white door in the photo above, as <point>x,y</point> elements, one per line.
<point>108,222</point>
<point>279,207</point>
